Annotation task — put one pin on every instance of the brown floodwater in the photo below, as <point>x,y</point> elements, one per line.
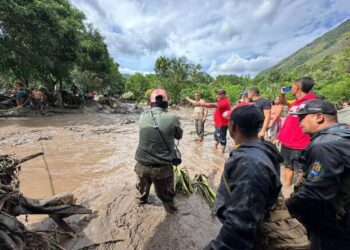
<point>92,156</point>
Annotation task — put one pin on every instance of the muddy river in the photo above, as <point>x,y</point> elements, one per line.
<point>92,156</point>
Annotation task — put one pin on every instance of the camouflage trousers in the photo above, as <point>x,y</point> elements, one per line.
<point>162,177</point>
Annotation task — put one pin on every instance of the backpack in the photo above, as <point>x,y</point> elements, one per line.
<point>278,230</point>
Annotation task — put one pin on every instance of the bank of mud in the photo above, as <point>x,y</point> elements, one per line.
<point>92,156</point>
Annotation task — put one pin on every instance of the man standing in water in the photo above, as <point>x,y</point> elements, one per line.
<point>158,129</point>
<point>200,116</point>
<point>322,201</point>
<point>250,182</point>
<point>223,104</point>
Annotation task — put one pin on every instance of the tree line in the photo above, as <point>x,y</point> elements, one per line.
<point>48,43</point>
<point>181,79</point>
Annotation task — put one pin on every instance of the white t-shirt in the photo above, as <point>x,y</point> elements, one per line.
<point>199,111</point>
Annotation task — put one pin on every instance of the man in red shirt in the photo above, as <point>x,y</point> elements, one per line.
<point>221,124</point>
<point>293,140</point>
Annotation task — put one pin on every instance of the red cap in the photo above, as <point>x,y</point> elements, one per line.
<point>159,92</point>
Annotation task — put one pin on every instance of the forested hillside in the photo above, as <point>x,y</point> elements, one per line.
<point>326,59</point>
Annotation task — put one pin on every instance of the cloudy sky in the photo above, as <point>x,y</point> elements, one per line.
<point>225,37</point>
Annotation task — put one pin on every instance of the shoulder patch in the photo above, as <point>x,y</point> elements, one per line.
<point>315,169</point>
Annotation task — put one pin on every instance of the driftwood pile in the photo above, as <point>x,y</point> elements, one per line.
<point>13,234</point>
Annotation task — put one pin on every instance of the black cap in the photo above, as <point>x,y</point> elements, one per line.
<point>315,107</point>
<point>247,116</point>
<point>221,91</point>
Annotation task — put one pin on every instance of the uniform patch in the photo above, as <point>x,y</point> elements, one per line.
<point>315,169</point>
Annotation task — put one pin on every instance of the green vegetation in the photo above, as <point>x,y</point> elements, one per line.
<point>327,60</point>
<point>182,79</point>
<point>185,185</point>
<point>45,42</point>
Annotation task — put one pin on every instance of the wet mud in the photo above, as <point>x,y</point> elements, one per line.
<point>92,156</point>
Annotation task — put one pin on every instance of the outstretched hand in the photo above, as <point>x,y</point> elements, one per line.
<point>190,100</point>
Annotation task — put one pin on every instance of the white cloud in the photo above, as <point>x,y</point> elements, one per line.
<point>131,71</point>
<point>267,10</point>
<point>240,66</point>
<point>224,36</point>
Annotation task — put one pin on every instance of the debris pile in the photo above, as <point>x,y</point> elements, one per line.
<point>13,234</point>
<point>110,105</point>
<point>102,104</point>
<point>6,102</point>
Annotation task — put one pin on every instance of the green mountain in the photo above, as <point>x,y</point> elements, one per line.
<point>331,43</point>
<point>326,59</point>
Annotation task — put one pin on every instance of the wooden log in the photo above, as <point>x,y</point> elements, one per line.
<point>27,158</point>
<point>61,223</point>
<point>70,210</point>
<point>58,199</point>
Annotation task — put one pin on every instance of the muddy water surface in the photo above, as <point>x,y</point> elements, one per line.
<point>92,156</point>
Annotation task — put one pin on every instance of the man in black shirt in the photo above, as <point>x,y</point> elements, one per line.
<point>263,105</point>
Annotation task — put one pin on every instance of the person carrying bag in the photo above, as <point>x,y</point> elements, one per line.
<point>158,130</point>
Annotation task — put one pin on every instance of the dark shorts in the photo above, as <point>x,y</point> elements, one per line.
<point>21,94</point>
<point>36,101</point>
<point>220,135</point>
<point>290,156</point>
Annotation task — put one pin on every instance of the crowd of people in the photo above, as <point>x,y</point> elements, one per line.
<point>35,97</point>
<point>309,142</point>
<point>39,98</point>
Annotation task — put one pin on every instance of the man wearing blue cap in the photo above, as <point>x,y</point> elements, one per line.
<point>250,183</point>
<point>322,200</point>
